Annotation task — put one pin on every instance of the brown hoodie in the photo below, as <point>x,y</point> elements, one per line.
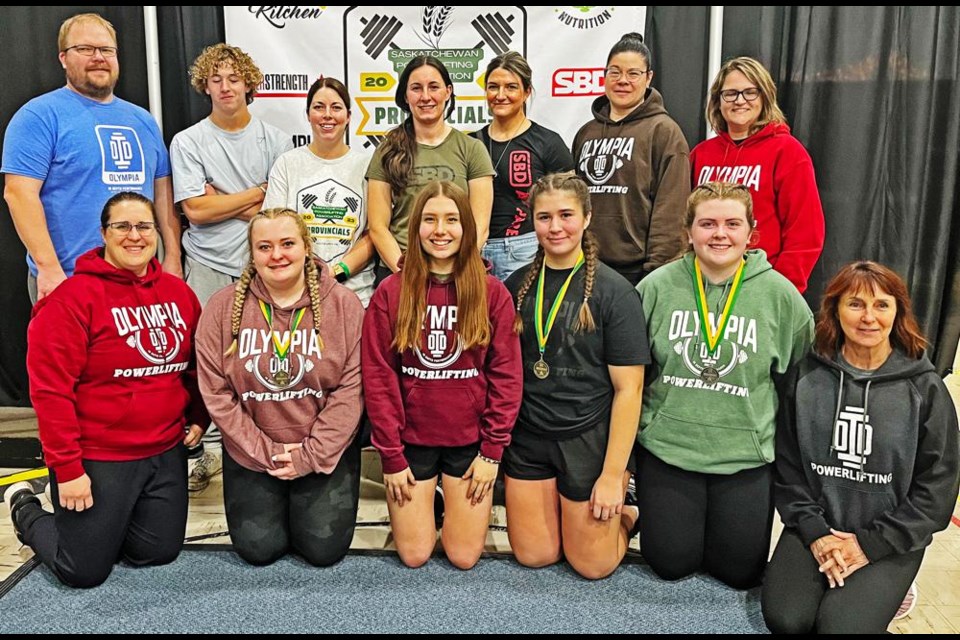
<point>317,401</point>
<point>638,172</point>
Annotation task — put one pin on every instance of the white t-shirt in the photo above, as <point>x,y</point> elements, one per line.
<point>331,195</point>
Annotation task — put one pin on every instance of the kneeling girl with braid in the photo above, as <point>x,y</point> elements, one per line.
<point>279,361</point>
<point>584,349</point>
<point>441,364</point>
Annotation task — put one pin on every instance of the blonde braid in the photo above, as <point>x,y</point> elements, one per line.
<point>532,274</point>
<point>239,295</point>
<point>585,321</point>
<point>313,286</point>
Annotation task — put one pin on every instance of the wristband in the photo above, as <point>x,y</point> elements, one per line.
<point>346,269</point>
<point>262,188</point>
<point>488,460</point>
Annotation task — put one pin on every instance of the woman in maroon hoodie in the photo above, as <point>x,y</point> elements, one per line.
<point>279,360</point>
<point>112,379</point>
<point>754,147</point>
<point>441,363</point>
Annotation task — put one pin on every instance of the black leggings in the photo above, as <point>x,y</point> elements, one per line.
<point>797,599</point>
<point>139,515</point>
<point>313,516</point>
<point>691,521</point>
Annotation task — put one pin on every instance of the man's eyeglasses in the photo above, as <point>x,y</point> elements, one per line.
<point>143,228</point>
<point>731,95</point>
<point>87,50</point>
<point>633,75</point>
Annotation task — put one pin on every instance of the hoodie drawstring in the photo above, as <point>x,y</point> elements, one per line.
<point>866,417</point>
<point>836,415</point>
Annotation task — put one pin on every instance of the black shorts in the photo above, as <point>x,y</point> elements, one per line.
<point>429,462</point>
<point>576,463</point>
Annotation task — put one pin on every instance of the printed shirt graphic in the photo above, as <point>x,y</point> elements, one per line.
<point>334,215</point>
<point>156,333</point>
<point>440,347</point>
<point>600,160</point>
<point>519,163</point>
<point>121,155</point>
<point>259,356</point>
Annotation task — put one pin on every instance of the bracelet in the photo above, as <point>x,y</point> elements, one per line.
<point>262,188</point>
<point>346,269</point>
<point>487,460</point>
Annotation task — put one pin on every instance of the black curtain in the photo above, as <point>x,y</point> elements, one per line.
<point>874,93</point>
<point>183,34</point>
<point>29,38</point>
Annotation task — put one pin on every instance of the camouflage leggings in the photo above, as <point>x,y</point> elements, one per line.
<point>313,516</point>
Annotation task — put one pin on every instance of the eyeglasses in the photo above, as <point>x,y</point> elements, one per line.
<point>731,95</point>
<point>87,50</point>
<point>143,228</point>
<point>633,75</point>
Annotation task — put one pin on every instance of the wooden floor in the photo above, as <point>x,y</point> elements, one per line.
<point>938,610</point>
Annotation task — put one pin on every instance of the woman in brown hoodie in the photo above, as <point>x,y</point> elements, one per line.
<point>279,360</point>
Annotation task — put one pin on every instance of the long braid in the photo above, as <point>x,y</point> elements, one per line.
<point>239,295</point>
<point>313,286</point>
<point>591,247</point>
<point>532,274</point>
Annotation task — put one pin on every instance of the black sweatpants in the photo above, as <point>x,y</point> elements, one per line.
<point>797,599</point>
<point>139,515</point>
<point>718,523</point>
<point>313,516</point>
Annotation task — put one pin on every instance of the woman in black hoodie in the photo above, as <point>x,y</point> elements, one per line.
<point>867,463</point>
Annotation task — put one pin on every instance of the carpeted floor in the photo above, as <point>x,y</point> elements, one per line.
<point>208,591</point>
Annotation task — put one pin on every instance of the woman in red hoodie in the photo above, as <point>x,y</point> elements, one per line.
<point>754,147</point>
<point>279,360</point>
<point>441,363</point>
<point>112,379</point>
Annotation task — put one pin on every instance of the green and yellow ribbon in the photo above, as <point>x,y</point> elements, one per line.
<point>712,337</point>
<point>281,348</point>
<point>544,332</point>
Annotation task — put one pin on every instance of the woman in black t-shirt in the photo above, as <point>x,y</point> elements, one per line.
<point>522,152</point>
<point>570,459</point>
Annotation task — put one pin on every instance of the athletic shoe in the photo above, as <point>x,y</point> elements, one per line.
<point>908,604</point>
<point>205,467</point>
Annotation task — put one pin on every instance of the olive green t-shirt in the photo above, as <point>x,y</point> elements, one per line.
<point>459,159</point>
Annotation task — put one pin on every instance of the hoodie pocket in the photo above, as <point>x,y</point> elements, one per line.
<point>443,414</point>
<point>702,445</point>
<point>848,506</point>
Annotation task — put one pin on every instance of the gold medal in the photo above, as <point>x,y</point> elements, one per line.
<point>710,375</point>
<point>282,378</point>
<point>541,369</point>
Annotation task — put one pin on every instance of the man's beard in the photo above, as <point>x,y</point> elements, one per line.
<point>96,90</point>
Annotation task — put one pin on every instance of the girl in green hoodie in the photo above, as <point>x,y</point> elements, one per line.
<point>722,325</point>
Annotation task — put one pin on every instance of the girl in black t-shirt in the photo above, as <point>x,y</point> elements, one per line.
<point>570,459</point>
<point>522,152</point>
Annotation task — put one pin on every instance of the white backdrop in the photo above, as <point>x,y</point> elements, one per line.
<point>368,47</point>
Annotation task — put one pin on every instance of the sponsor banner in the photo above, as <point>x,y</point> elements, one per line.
<point>368,48</point>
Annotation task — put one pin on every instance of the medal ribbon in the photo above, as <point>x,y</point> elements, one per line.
<point>706,328</point>
<point>281,348</point>
<point>544,332</point>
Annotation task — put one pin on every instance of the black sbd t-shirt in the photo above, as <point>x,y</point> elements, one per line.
<point>578,393</point>
<point>519,163</point>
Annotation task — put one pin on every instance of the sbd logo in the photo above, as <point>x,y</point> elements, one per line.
<point>577,82</point>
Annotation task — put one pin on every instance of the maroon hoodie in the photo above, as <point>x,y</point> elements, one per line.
<point>786,202</point>
<point>111,365</point>
<point>440,395</point>
<point>318,400</point>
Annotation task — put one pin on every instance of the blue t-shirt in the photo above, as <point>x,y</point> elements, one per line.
<point>84,151</point>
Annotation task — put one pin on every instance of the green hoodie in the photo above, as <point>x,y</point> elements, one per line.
<point>727,426</point>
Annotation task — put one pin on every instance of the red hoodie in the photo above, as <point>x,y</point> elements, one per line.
<point>111,365</point>
<point>786,202</point>
<point>440,395</point>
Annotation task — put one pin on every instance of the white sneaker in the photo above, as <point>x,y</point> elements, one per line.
<point>909,603</point>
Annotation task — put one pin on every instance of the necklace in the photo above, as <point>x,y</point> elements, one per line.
<point>516,132</point>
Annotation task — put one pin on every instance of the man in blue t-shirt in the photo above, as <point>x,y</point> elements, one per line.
<point>68,151</point>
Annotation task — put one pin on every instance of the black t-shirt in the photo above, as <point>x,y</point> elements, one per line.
<point>518,164</point>
<point>577,394</point>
